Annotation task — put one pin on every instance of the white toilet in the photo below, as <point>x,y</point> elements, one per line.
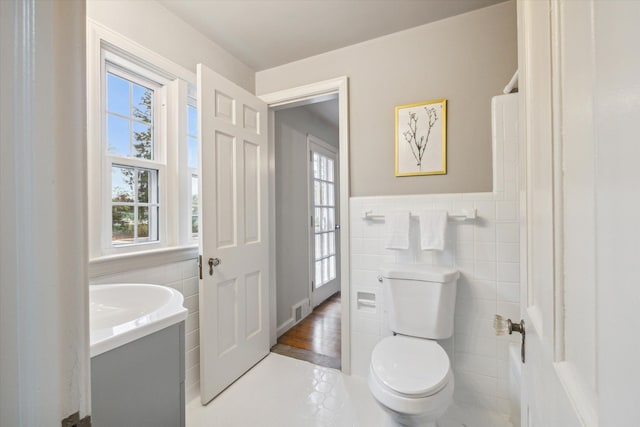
<point>410,374</point>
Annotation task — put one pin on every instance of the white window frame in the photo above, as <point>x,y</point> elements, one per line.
<point>107,47</point>
<point>139,75</point>
<point>193,172</point>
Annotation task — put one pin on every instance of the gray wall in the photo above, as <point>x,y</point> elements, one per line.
<point>150,24</point>
<point>466,59</point>
<point>292,220</point>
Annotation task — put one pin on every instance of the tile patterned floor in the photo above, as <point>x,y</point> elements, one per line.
<point>285,392</point>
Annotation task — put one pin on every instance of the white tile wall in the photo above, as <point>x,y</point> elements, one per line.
<point>182,276</point>
<point>486,252</point>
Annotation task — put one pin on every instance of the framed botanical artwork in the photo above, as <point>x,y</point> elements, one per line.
<point>421,138</point>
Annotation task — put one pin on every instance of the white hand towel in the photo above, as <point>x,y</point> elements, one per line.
<point>397,230</point>
<point>433,226</point>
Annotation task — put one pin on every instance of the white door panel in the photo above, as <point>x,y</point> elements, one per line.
<point>234,333</point>
<point>557,243</point>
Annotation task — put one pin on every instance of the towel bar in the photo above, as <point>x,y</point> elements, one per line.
<point>461,215</point>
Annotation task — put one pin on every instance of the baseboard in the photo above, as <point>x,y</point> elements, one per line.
<point>303,308</point>
<point>285,326</point>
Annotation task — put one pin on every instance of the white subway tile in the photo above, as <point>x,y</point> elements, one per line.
<point>177,286</point>
<point>485,251</point>
<point>509,310</point>
<point>466,268</point>
<point>192,340</point>
<point>189,268</point>
<point>508,232</point>
<point>404,256</point>
<point>485,232</point>
<point>192,303</point>
<point>476,308</point>
<point>474,325</point>
<point>509,292</point>
<point>476,364</point>
<point>373,246</point>
<point>508,252</point>
<point>365,323</point>
<point>192,358</point>
<point>463,232</point>
<point>507,211</point>
<point>478,345</point>
<point>485,270</point>
<point>461,204</point>
<point>476,383</point>
<point>486,209</point>
<point>509,272</point>
<point>172,272</point>
<point>190,286</point>
<point>444,258</point>
<point>510,174</point>
<point>361,349</point>
<point>192,376</point>
<point>193,323</point>
<point>425,257</point>
<point>465,250</point>
<point>471,288</point>
<point>474,399</point>
<point>503,406</point>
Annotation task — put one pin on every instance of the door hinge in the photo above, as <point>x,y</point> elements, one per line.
<point>74,420</point>
<point>312,221</point>
<point>311,156</point>
<point>200,266</point>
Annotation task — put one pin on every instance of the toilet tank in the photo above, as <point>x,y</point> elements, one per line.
<point>420,299</point>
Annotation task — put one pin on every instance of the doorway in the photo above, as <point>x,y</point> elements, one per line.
<point>306,143</point>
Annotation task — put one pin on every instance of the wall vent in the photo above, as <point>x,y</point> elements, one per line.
<point>298,313</point>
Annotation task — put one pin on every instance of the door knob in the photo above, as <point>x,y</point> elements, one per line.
<point>502,326</point>
<point>213,262</point>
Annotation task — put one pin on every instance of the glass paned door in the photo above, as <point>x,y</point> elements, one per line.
<point>324,211</point>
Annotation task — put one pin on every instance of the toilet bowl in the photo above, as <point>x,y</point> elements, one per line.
<point>410,374</point>
<point>411,380</point>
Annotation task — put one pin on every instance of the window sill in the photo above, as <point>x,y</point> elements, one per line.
<point>112,264</point>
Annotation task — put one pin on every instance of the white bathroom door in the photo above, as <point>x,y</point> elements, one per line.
<point>324,209</point>
<point>558,224</point>
<point>234,310</point>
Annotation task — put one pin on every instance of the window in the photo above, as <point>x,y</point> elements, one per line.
<point>192,162</point>
<point>324,234</point>
<point>134,207</point>
<point>132,153</point>
<point>142,152</point>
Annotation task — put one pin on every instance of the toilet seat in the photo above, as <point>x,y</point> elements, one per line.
<point>410,367</point>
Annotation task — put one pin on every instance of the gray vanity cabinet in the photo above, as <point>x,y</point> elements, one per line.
<point>141,384</point>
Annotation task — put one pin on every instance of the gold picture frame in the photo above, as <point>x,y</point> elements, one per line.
<point>421,138</point>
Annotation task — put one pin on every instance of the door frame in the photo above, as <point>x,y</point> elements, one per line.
<point>297,96</point>
<point>314,140</point>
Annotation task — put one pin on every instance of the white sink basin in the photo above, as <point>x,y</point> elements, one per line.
<point>122,313</point>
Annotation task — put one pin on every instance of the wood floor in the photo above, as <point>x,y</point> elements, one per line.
<point>317,337</point>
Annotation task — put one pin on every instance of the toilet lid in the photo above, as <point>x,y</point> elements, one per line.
<point>411,366</point>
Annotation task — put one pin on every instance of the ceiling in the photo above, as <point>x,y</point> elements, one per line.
<point>326,110</point>
<point>267,33</point>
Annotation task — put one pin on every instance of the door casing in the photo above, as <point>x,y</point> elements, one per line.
<point>288,98</point>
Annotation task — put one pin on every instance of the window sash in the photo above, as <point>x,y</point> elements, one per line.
<point>156,211</point>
